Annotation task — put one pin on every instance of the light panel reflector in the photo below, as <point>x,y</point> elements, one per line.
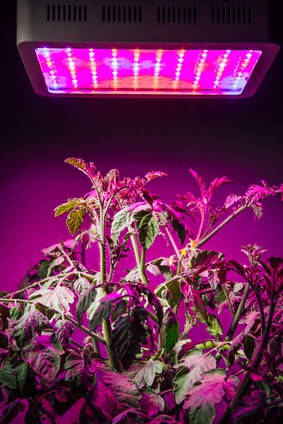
<point>146,71</point>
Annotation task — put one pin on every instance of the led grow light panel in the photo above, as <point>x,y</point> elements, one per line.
<point>146,71</point>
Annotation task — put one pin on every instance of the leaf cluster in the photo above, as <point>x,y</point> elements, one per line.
<point>175,337</point>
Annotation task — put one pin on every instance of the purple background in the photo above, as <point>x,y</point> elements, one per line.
<point>240,138</point>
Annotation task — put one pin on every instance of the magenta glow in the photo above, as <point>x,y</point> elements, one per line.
<point>146,71</point>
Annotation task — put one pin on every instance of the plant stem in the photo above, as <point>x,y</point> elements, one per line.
<point>238,314</point>
<point>136,249</point>
<point>218,228</point>
<point>142,267</point>
<point>152,315</point>
<point>200,230</point>
<point>106,326</point>
<point>257,356</point>
<point>102,247</point>
<point>140,259</point>
<point>107,334</point>
<point>229,302</point>
<point>172,241</point>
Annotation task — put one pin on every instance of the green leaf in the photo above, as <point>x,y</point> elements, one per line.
<point>152,402</point>
<point>104,310</point>
<point>171,291</point>
<point>53,264</point>
<point>58,298</point>
<point>204,259</point>
<point>203,397</point>
<point>171,330</point>
<point>258,210</point>
<point>74,220</point>
<point>202,414</point>
<point>88,169</point>
<point>63,331</point>
<point>43,356</point>
<point>80,285</point>
<point>148,229</point>
<point>146,375</point>
<point>128,335</point>
<point>114,392</point>
<point>7,376</point>
<point>15,313</point>
<point>163,266</point>
<point>220,295</point>
<point>66,207</point>
<point>21,371</point>
<point>85,300</point>
<point>30,323</point>
<point>192,369</point>
<point>78,372</point>
<point>121,221</point>
<point>214,327</point>
<point>179,227</point>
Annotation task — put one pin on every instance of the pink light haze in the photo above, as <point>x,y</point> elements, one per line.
<point>146,71</point>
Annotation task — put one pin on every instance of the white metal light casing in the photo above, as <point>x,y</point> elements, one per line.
<point>145,48</point>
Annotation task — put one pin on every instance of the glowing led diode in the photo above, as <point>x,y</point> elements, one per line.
<point>115,68</point>
<point>136,67</point>
<point>181,54</point>
<point>157,67</point>
<point>72,67</point>
<point>222,63</point>
<point>93,67</point>
<point>51,66</point>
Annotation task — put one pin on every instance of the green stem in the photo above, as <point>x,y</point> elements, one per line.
<point>257,356</point>
<point>136,249</point>
<point>152,315</point>
<point>140,259</point>
<point>179,265</point>
<point>201,242</point>
<point>200,230</point>
<point>229,302</point>
<point>238,314</point>
<point>142,267</point>
<point>102,247</point>
<point>172,241</point>
<point>107,334</point>
<point>106,325</point>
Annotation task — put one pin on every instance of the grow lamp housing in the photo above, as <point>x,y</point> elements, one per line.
<point>164,48</point>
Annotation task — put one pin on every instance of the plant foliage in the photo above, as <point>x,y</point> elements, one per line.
<point>119,346</point>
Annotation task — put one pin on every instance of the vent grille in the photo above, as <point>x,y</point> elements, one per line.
<point>232,15</point>
<point>177,14</point>
<point>121,14</point>
<point>66,13</point>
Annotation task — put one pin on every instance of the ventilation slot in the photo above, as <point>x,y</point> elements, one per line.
<point>176,14</point>
<point>66,13</point>
<point>232,15</point>
<point>122,14</point>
